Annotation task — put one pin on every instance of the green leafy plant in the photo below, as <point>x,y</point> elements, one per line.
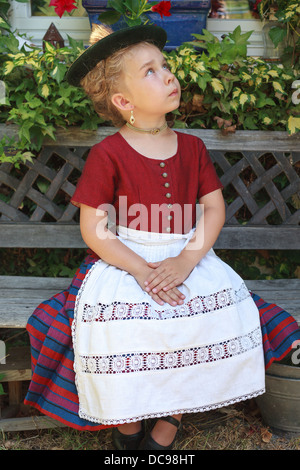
<point>39,100</point>
<point>286,13</point>
<point>133,12</point>
<point>8,41</point>
<point>4,7</point>
<point>221,88</point>
<point>41,262</point>
<point>224,88</point>
<point>2,376</point>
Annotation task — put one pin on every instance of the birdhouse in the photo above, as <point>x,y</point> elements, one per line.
<point>53,36</point>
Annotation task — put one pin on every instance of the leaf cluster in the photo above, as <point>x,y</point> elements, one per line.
<point>221,88</point>
<point>224,88</point>
<point>131,12</point>
<point>263,264</point>
<point>285,14</point>
<point>39,100</point>
<point>41,262</point>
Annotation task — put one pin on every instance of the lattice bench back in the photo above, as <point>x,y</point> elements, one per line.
<point>259,171</point>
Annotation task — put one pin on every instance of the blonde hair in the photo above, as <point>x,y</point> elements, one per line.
<point>104,80</point>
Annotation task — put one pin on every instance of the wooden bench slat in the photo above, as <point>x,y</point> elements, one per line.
<point>55,284</point>
<point>214,139</point>
<point>31,282</point>
<point>40,235</point>
<point>29,423</point>
<point>67,235</point>
<point>15,308</point>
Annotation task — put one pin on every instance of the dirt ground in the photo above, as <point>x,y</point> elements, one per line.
<point>236,427</point>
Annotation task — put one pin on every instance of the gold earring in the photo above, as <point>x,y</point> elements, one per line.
<point>132,119</point>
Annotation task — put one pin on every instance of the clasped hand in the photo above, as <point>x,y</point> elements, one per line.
<point>164,278</point>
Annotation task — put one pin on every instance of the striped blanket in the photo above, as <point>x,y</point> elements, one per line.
<point>52,389</point>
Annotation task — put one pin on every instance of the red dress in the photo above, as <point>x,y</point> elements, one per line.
<point>122,181</point>
<point>136,186</point>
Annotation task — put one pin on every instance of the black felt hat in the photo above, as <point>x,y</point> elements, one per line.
<point>112,43</point>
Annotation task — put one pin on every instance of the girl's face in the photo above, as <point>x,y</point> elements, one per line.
<point>150,86</point>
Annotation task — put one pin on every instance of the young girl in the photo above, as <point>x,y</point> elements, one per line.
<point>154,324</point>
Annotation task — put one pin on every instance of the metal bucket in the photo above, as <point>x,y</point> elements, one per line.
<point>280,405</point>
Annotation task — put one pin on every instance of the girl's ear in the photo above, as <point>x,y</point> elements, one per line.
<point>120,102</point>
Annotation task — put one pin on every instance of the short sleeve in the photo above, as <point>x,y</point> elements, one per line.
<point>97,182</point>
<point>208,178</point>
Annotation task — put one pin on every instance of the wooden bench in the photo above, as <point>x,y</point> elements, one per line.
<point>257,159</point>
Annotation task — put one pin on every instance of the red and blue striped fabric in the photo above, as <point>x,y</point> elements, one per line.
<point>279,330</point>
<point>52,389</point>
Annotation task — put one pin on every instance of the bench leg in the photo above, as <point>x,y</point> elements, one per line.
<point>15,392</point>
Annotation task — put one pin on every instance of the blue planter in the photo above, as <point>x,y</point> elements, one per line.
<point>187,17</point>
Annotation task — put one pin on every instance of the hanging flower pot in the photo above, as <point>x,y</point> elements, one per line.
<point>185,18</point>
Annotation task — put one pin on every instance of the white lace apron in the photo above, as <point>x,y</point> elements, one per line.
<point>135,359</point>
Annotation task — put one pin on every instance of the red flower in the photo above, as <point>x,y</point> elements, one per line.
<point>256,5</point>
<point>163,8</point>
<point>62,5</point>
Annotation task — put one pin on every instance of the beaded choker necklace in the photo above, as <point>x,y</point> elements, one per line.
<point>154,131</point>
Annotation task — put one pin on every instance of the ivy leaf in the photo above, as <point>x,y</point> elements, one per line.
<point>249,123</point>
<point>34,103</point>
<point>238,37</point>
<point>203,80</point>
<point>293,124</point>
<point>24,130</point>
<point>206,36</point>
<point>49,47</point>
<point>264,100</point>
<point>109,17</point>
<point>244,98</point>
<point>273,73</point>
<point>277,87</point>
<point>43,186</point>
<point>4,24</point>
<point>214,50</point>
<point>277,35</point>
<point>181,75</point>
<point>240,41</point>
<point>8,67</point>
<point>193,76</point>
<point>45,90</point>
<point>224,106</point>
<point>117,5</point>
<point>267,120</point>
<point>58,73</point>
<point>217,85</point>
<point>75,44</point>
<point>236,92</point>
<point>234,105</point>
